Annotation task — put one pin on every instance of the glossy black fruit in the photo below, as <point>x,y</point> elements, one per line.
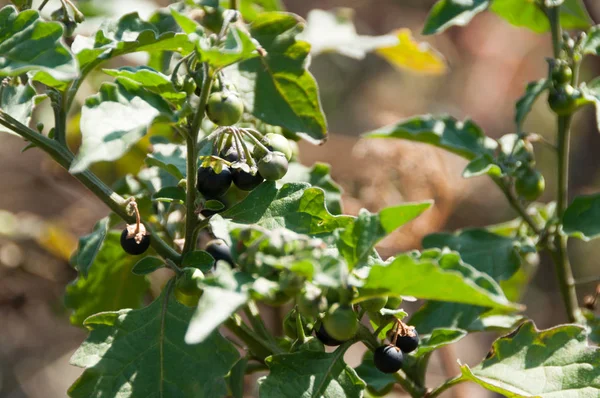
<point>388,359</point>
<point>220,251</point>
<point>245,180</point>
<point>230,154</point>
<point>212,184</point>
<point>224,108</point>
<point>273,166</point>
<point>325,338</point>
<point>131,246</point>
<point>409,342</point>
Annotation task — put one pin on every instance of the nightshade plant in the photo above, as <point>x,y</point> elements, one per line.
<point>277,233</point>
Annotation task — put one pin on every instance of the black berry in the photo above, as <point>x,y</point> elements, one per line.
<point>212,184</point>
<point>131,246</point>
<point>325,338</point>
<point>245,180</point>
<point>409,342</point>
<point>230,154</point>
<point>220,251</point>
<point>388,359</point>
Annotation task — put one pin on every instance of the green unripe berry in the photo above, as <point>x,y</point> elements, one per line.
<point>224,108</point>
<point>393,302</point>
<point>374,304</point>
<point>530,184</point>
<point>340,322</point>
<point>274,142</point>
<point>273,166</point>
<point>187,282</point>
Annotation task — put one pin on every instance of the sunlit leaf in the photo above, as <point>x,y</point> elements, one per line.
<point>415,56</point>
<point>447,13</point>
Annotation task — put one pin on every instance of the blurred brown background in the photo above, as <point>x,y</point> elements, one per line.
<point>43,210</point>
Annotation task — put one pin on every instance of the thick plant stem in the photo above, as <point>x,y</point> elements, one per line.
<point>64,157</point>
<point>191,218</point>
<point>518,207</point>
<point>560,254</point>
<point>255,344</point>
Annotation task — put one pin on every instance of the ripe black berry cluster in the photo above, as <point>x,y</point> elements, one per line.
<point>389,358</point>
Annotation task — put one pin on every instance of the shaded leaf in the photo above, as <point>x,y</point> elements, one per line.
<point>110,285</point>
<point>277,88</point>
<point>357,240</point>
<point>235,380</point>
<point>527,14</point>
<point>437,339</point>
<point>90,245</point>
<point>525,103</point>
<point>151,80</point>
<point>28,43</point>
<point>297,207</point>
<point>198,259</point>
<point>141,353</point>
<point>169,157</point>
<point>554,362</point>
<point>318,176</point>
<point>415,56</point>
<point>170,194</point>
<point>493,254</point>
<point>591,44</point>
<point>582,217</point>
<point>482,165</point>
<point>591,93</point>
<point>442,278</point>
<point>447,13</point>
<point>329,376</point>
<point>592,322</point>
<point>113,120</point>
<point>147,265</point>
<point>463,138</point>
<point>18,101</point>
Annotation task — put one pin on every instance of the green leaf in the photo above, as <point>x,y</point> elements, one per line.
<point>116,118</point>
<point>482,165</point>
<point>550,363</point>
<point>22,4</point>
<point>141,353</point>
<point>463,138</point>
<point>528,14</point>
<point>221,298</point>
<point>435,315</point>
<point>493,254</point>
<point>170,194</point>
<point>328,376</point>
<point>445,278</point>
<point>437,339</point>
<point>381,383</point>
<point>447,13</point>
<point>252,9</point>
<point>169,157</point>
<point>90,245</point>
<point>28,43</point>
<point>277,88</point>
<point>591,44</point>
<point>151,80</point>
<point>198,259</point>
<point>235,380</point>
<point>358,239</point>
<point>147,265</point>
<point>110,285</point>
<point>525,103</point>
<point>318,176</point>
<point>582,217</point>
<point>592,322</point>
<point>591,93</point>
<point>297,207</point>
<point>18,102</point>
<point>127,35</point>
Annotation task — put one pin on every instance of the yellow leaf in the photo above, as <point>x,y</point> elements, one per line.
<point>58,241</point>
<point>412,55</point>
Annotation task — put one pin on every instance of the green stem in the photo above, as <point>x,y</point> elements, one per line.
<point>255,344</point>
<point>559,253</point>
<point>564,273</point>
<point>64,157</point>
<point>191,218</point>
<point>253,314</point>
<point>411,388</point>
<point>41,7</point>
<point>444,386</point>
<point>233,4</point>
<point>516,205</point>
